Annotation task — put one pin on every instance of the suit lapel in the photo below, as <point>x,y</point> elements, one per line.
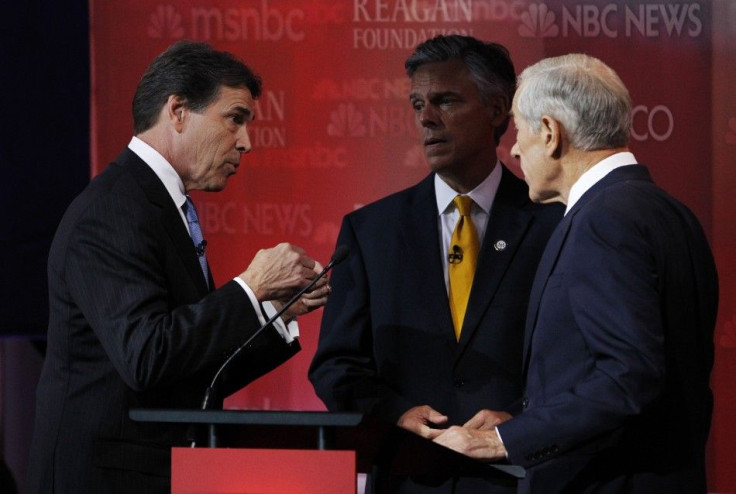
<point>422,241</point>
<point>546,264</point>
<point>169,215</point>
<point>504,234</point>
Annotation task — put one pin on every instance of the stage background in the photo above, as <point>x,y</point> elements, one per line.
<point>335,129</point>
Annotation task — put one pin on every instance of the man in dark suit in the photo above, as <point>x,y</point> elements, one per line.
<point>388,343</point>
<point>618,345</point>
<point>135,319</point>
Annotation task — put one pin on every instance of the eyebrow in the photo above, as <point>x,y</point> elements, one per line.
<point>246,112</point>
<point>435,95</point>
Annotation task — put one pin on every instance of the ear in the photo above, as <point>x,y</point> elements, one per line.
<point>552,136</point>
<point>498,109</point>
<point>174,111</point>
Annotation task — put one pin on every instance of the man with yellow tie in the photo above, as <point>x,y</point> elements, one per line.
<point>424,327</point>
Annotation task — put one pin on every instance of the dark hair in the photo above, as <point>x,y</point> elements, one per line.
<point>195,72</point>
<point>489,64</point>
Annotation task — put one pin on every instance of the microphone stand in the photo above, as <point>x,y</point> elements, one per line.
<point>339,255</point>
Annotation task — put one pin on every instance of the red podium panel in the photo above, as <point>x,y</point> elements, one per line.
<point>262,471</point>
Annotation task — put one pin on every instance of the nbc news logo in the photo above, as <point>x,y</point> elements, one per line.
<point>612,20</point>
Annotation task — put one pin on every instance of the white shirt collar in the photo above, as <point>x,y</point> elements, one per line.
<point>162,168</point>
<point>482,195</point>
<point>596,173</point>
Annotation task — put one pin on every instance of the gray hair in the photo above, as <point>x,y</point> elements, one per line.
<point>583,94</point>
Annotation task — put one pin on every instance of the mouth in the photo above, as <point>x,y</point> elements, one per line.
<point>431,143</point>
<point>234,165</point>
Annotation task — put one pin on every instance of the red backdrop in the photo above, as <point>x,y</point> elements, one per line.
<point>335,130</point>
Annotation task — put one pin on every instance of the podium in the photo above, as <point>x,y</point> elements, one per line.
<point>267,451</point>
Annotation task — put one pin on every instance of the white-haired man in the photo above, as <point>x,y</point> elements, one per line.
<point>618,345</point>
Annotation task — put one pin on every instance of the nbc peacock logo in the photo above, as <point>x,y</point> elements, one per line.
<point>346,121</point>
<point>165,22</point>
<point>538,22</point>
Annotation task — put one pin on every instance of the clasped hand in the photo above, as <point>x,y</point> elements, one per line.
<point>476,438</point>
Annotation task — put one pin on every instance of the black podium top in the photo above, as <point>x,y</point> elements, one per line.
<point>376,443</point>
<point>248,417</point>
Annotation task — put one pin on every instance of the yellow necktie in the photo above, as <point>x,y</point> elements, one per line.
<point>462,257</point>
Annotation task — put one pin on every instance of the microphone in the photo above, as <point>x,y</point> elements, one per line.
<point>456,255</point>
<point>200,247</point>
<point>339,255</point>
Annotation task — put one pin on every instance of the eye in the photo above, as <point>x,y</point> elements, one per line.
<point>417,105</point>
<point>237,118</point>
<point>447,100</point>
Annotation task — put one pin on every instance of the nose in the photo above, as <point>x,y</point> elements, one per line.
<point>242,144</point>
<point>515,150</point>
<point>427,116</point>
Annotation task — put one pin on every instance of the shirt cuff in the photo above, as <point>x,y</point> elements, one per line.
<point>498,433</point>
<point>289,332</point>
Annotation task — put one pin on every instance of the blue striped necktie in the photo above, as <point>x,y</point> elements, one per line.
<point>195,231</point>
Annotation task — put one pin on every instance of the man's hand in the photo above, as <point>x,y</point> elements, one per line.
<point>314,299</point>
<point>420,419</point>
<point>480,444</point>
<point>487,420</point>
<point>279,272</point>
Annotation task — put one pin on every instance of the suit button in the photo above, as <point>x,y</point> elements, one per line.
<point>459,383</point>
<point>525,402</point>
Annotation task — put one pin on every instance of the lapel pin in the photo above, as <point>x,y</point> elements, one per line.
<point>500,245</point>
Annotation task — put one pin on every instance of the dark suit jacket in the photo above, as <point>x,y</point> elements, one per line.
<point>619,347</point>
<point>132,325</point>
<point>387,341</point>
